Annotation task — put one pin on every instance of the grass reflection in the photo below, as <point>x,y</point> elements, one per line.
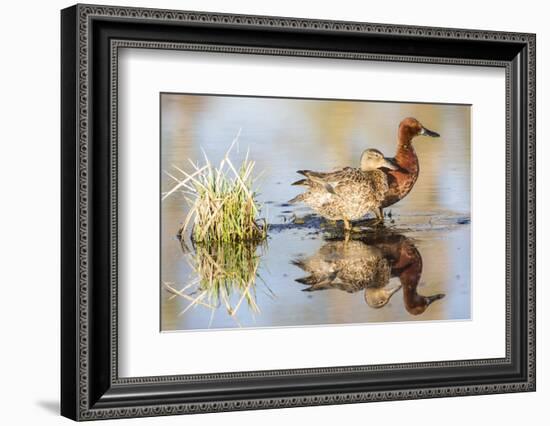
<point>225,276</point>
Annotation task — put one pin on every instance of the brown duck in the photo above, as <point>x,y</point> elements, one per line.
<point>349,193</point>
<point>402,180</point>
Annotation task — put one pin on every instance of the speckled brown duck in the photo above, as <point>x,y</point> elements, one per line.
<point>402,179</point>
<point>349,193</point>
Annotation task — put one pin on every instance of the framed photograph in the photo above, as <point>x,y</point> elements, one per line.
<point>263,212</point>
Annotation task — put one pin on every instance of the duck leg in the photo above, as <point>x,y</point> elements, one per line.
<point>347,225</point>
<point>379,221</point>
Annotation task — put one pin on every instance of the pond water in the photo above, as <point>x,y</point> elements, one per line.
<point>417,267</point>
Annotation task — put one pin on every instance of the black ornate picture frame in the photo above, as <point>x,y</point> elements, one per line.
<point>91,387</point>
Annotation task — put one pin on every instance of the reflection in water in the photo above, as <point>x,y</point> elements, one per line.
<point>379,265</point>
<point>349,266</point>
<point>368,264</point>
<point>223,272</point>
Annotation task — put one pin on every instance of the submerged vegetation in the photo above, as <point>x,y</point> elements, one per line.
<point>223,201</point>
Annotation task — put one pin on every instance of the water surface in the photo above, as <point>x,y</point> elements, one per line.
<point>429,230</point>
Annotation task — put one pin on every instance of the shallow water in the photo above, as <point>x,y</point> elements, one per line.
<point>428,230</point>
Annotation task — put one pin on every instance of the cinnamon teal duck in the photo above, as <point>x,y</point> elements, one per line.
<point>402,179</point>
<point>349,193</point>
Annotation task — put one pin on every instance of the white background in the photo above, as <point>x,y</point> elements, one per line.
<point>29,229</point>
<point>141,344</point>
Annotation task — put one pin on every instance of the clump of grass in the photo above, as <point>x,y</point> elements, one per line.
<point>223,201</point>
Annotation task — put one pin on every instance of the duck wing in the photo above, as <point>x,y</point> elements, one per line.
<point>328,180</point>
<point>325,176</point>
<point>372,184</point>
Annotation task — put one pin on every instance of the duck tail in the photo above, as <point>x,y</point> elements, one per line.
<point>310,174</point>
<point>313,179</point>
<point>298,199</point>
<point>316,281</point>
<point>309,280</point>
<point>299,263</point>
<point>317,286</point>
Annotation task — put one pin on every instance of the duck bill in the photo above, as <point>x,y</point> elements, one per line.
<point>431,299</point>
<point>388,164</point>
<point>428,132</point>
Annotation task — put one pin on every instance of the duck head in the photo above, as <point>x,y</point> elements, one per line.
<point>415,303</point>
<point>372,159</point>
<point>410,127</point>
<point>377,297</point>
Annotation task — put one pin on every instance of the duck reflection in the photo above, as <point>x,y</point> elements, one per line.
<point>368,264</point>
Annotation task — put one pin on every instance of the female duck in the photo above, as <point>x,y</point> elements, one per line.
<point>350,193</point>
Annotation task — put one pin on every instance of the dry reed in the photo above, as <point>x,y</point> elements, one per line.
<point>223,201</point>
